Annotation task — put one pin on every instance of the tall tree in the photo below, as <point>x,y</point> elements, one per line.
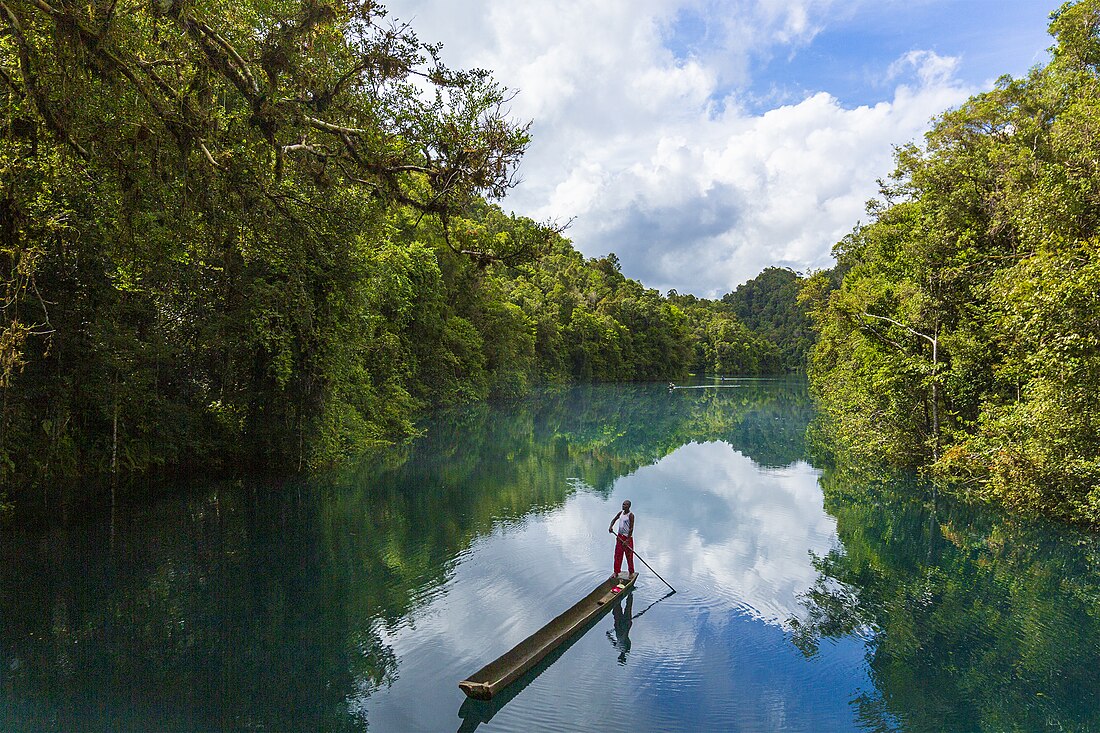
<point>195,201</point>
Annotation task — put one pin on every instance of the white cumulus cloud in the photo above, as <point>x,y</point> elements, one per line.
<point>642,136</point>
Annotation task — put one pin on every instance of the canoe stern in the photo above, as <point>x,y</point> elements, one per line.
<point>476,690</point>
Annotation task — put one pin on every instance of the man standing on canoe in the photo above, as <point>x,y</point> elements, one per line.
<point>624,540</point>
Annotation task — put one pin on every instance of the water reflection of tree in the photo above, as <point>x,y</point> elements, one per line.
<point>205,613</point>
<point>266,606</point>
<point>614,429</point>
<point>973,621</point>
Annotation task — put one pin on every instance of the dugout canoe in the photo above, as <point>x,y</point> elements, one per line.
<point>498,674</point>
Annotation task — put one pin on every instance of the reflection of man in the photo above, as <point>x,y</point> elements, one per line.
<point>624,540</point>
<point>622,613</point>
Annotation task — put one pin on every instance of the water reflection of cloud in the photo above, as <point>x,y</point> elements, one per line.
<point>734,540</point>
<point>731,534</point>
<point>736,534</point>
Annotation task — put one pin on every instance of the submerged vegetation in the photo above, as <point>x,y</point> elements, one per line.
<point>965,334</point>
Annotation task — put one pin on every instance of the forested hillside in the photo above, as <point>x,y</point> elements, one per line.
<point>966,332</point>
<point>769,305</point>
<point>261,233</point>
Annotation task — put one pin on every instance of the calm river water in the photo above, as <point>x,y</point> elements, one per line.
<point>809,597</point>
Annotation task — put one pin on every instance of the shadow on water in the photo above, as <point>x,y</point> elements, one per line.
<point>651,605</point>
<point>619,635</point>
<point>475,712</point>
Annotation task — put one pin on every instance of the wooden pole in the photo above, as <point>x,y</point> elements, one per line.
<point>620,539</point>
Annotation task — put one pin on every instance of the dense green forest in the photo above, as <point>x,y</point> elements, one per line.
<point>965,333</point>
<point>762,327</point>
<point>769,305</point>
<point>263,234</point>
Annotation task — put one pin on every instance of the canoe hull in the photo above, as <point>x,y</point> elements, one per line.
<point>498,674</point>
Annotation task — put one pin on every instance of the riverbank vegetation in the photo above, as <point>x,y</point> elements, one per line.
<point>263,234</point>
<point>965,334</point>
<point>769,306</point>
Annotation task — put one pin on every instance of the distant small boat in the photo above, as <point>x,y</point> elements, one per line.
<point>497,675</point>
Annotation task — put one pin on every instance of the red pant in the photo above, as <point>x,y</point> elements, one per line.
<point>620,550</point>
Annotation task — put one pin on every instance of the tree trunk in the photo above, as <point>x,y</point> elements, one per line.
<point>114,448</point>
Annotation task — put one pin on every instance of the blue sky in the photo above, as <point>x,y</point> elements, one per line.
<point>703,140</point>
<point>847,57</point>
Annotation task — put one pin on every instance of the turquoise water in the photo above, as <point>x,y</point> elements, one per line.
<point>808,597</point>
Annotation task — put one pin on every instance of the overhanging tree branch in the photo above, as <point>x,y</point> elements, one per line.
<point>384,135</point>
<point>30,80</point>
<point>899,324</point>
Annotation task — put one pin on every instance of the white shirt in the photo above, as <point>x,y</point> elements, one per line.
<point>625,520</point>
